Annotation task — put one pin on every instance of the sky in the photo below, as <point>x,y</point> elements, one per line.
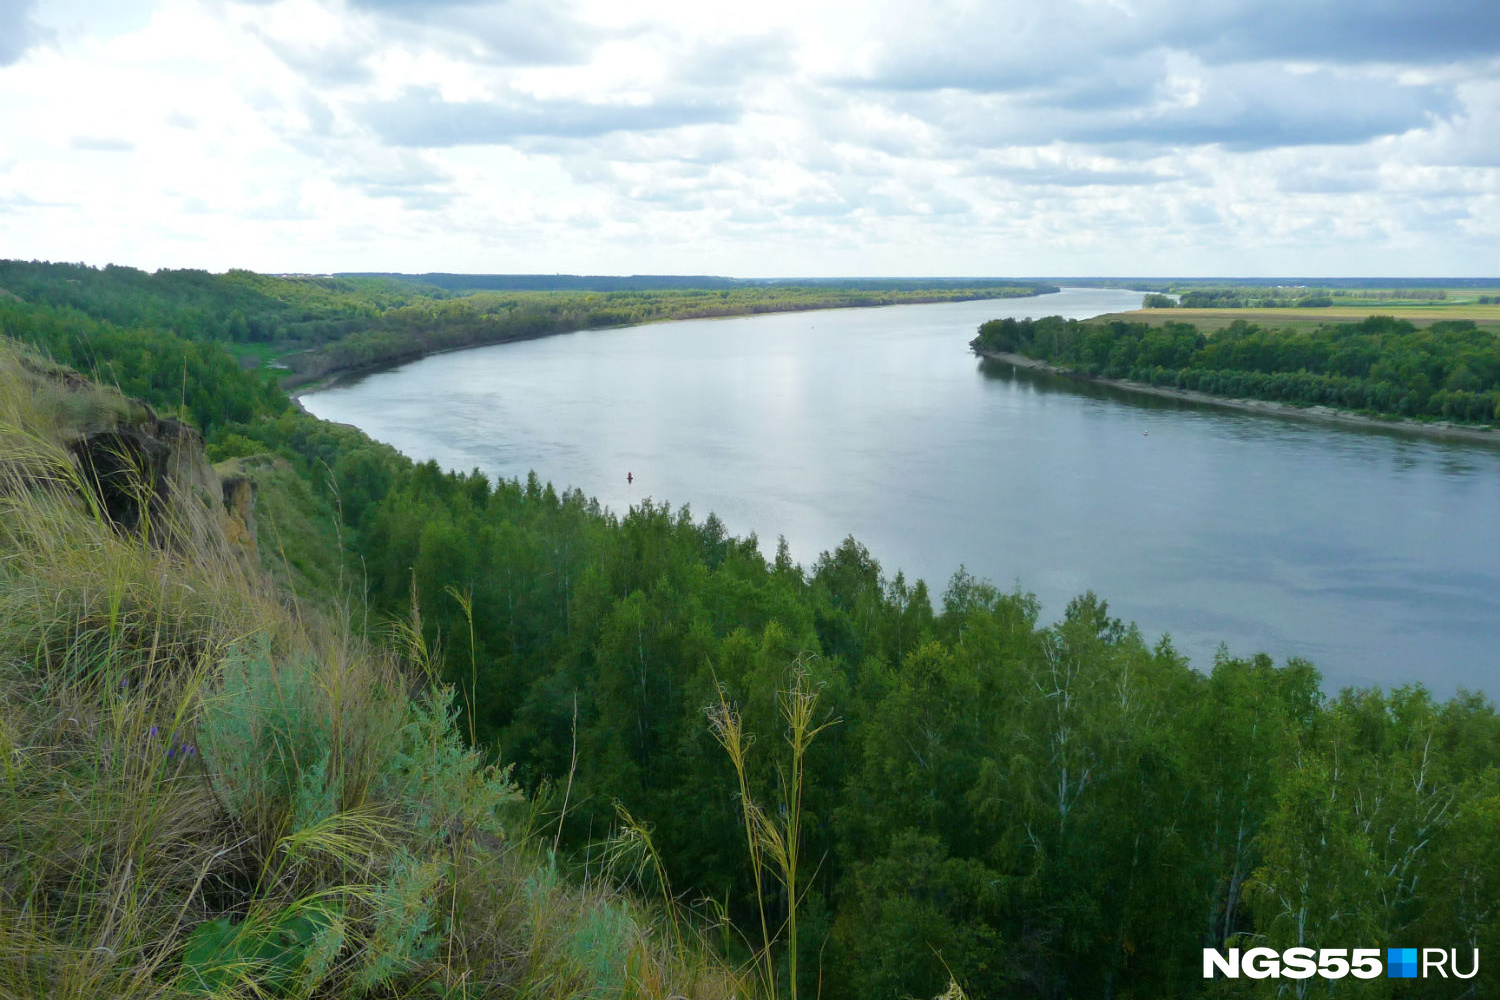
<point>778,138</point>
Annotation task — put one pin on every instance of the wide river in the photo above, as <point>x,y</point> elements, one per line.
<point>1374,554</point>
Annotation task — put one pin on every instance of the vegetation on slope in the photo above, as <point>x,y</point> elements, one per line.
<point>1018,807</point>
<point>1381,365</point>
<point>206,790</point>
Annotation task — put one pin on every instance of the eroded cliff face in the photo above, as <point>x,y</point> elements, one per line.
<point>239,493</point>
<point>142,470</point>
<point>147,475</point>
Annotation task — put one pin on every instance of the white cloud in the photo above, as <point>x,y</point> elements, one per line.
<point>1154,136</point>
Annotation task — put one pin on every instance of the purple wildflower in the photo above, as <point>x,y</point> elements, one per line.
<point>153,732</point>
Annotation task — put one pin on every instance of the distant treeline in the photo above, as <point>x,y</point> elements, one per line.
<point>1252,297</point>
<point>1450,370</point>
<point>549,282</point>
<point>1348,284</point>
<point>659,282</point>
<point>327,325</point>
<point>493,317</point>
<point>239,306</point>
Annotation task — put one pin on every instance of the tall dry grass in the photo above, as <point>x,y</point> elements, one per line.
<point>203,791</point>
<point>773,838</point>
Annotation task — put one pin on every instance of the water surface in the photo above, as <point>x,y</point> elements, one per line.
<point>1374,554</point>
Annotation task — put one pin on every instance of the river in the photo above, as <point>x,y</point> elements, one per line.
<point>1372,553</point>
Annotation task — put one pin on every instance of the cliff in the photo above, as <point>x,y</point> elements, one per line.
<point>145,474</point>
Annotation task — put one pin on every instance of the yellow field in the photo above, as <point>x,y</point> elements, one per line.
<point>1487,316</point>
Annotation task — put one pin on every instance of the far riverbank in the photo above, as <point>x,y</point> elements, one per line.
<point>380,349</point>
<point>1327,414</point>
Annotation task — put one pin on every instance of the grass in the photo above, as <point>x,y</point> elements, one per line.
<point>297,531</point>
<point>209,789</point>
<point>773,839</point>
<point>264,355</point>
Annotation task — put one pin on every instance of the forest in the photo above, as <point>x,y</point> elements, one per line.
<point>1243,298</point>
<point>319,326</point>
<point>1043,809</point>
<point>854,783</point>
<point>1380,365</point>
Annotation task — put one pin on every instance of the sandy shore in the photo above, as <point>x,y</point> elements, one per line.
<point>1327,414</point>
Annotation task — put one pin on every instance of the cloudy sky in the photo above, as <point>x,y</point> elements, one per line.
<point>780,137</point>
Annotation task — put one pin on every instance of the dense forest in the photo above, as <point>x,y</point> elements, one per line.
<point>1449,370</point>
<point>870,788</point>
<point>1047,810</point>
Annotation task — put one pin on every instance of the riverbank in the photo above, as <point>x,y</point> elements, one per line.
<point>297,385</point>
<point>376,350</point>
<point>1326,414</point>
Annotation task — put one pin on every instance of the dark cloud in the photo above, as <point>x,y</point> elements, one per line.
<point>18,31</point>
<point>1344,31</point>
<point>1243,108</point>
<point>1263,107</point>
<point>406,176</point>
<point>420,118</point>
<point>1073,44</point>
<point>1111,89</point>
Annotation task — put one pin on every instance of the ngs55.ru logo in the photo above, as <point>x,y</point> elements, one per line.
<point>1336,963</point>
